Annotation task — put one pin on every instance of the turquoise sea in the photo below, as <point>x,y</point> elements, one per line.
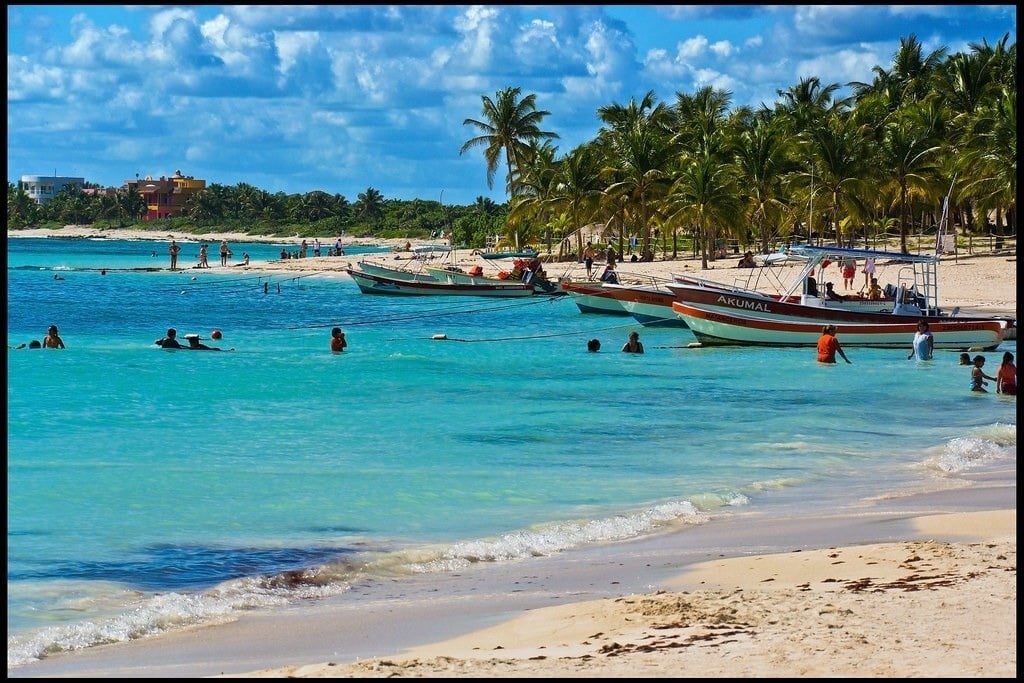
<point>152,490</point>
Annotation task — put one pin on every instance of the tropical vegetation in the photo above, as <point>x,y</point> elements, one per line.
<point>931,137</point>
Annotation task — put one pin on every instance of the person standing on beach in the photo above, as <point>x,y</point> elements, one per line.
<point>224,252</point>
<point>174,250</point>
<point>869,271</point>
<point>1007,374</point>
<point>52,340</point>
<point>588,260</point>
<point>978,375</point>
<point>849,272</point>
<point>923,345</point>
<point>829,346</point>
<point>338,343</point>
<point>203,256</point>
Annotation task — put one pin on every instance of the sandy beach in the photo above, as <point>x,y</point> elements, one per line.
<point>907,586</point>
<point>982,282</point>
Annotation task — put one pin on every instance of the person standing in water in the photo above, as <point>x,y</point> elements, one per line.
<point>174,250</point>
<point>52,339</point>
<point>829,346</point>
<point>924,343</point>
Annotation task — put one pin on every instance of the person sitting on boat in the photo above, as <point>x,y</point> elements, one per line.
<point>609,275</point>
<point>875,290</point>
<point>831,294</point>
<point>811,286</point>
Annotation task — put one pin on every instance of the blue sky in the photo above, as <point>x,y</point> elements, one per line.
<point>300,98</point>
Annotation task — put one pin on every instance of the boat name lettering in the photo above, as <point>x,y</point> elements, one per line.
<point>744,303</point>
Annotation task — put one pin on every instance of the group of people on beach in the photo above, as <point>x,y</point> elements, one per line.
<point>204,254</point>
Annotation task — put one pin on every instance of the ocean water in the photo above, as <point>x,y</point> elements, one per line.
<point>151,490</point>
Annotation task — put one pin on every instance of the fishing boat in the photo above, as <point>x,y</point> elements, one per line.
<point>522,272</point>
<point>370,283</point>
<point>729,328</point>
<point>519,253</point>
<point>650,305</point>
<point>425,251</point>
<point>395,273</point>
<point>592,297</point>
<point>912,296</point>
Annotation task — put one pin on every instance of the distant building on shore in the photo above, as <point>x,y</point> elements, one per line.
<point>165,197</point>
<point>43,188</point>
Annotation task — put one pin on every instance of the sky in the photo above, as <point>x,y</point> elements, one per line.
<point>300,98</point>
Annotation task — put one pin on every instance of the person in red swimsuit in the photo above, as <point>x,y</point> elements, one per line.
<point>1006,382</point>
<point>828,346</point>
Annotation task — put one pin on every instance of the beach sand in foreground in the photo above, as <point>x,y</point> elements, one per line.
<point>921,585</point>
<point>911,609</point>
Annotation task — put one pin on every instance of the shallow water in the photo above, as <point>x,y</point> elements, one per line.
<point>150,489</point>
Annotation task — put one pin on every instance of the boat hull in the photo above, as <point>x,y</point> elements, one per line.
<point>724,328</point>
<point>765,306</point>
<point>593,298</point>
<point>395,273</point>
<point>650,306</point>
<point>378,284</point>
<point>540,285</point>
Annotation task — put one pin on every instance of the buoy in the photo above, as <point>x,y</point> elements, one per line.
<point>440,336</point>
<point>215,334</point>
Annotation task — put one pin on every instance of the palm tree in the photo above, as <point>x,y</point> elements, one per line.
<point>509,126</point>
<point>763,159</point>
<point>369,205</point>
<point>705,194</point>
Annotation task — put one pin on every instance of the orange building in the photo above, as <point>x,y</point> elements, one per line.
<point>166,197</point>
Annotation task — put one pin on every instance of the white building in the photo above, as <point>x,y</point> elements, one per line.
<point>43,188</point>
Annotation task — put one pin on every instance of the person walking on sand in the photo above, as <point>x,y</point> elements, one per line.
<point>174,250</point>
<point>1007,374</point>
<point>633,344</point>
<point>923,345</point>
<point>829,346</point>
<point>978,375</point>
<point>338,343</point>
<point>224,252</point>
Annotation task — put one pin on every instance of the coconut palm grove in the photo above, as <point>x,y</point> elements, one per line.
<point>931,138</point>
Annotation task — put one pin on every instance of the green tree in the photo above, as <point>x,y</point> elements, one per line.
<point>508,127</point>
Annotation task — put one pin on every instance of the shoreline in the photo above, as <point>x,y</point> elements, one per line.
<point>983,284</point>
<point>856,594</point>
